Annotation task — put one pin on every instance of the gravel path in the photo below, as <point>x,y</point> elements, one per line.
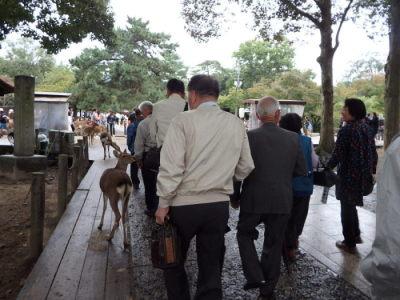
<point>309,279</point>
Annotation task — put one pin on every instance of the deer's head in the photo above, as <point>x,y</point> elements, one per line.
<point>124,159</point>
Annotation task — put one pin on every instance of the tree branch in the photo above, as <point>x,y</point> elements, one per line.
<point>341,24</point>
<point>301,12</point>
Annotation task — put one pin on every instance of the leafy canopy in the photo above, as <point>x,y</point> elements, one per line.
<point>133,69</point>
<point>57,23</point>
<point>263,59</point>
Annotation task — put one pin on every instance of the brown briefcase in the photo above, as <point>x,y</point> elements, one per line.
<point>165,246</point>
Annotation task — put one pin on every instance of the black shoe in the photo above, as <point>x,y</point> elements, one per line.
<point>358,240</point>
<point>266,297</point>
<point>342,245</point>
<point>253,285</point>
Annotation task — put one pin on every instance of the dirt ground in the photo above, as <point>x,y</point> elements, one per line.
<point>15,199</point>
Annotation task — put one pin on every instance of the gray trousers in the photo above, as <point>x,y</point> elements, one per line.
<point>268,269</point>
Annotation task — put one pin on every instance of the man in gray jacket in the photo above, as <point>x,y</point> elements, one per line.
<point>267,197</point>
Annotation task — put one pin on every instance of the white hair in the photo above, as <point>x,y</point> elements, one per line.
<point>267,106</point>
<point>146,104</point>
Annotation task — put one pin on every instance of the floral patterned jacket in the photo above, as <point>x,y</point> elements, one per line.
<point>356,158</point>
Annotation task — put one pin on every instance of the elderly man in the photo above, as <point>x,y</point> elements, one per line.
<point>267,197</point>
<point>143,143</point>
<point>203,150</point>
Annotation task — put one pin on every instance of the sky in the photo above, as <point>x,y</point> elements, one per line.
<point>164,16</point>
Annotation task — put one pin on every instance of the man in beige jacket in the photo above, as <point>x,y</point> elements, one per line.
<point>203,150</point>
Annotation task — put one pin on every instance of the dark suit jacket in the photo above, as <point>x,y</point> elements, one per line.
<point>277,158</point>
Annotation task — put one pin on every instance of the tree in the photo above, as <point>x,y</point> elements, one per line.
<point>365,68</point>
<point>23,57</point>
<point>214,68</point>
<point>133,69</point>
<point>389,12</point>
<point>321,15</point>
<point>57,23</point>
<point>263,59</point>
<point>58,79</point>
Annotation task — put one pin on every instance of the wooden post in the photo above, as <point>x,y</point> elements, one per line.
<point>37,214</point>
<point>86,151</point>
<point>81,159</point>
<point>62,184</point>
<point>75,170</point>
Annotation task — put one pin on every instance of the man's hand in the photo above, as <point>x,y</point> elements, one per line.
<point>161,214</point>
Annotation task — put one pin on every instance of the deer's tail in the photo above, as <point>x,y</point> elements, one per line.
<point>124,190</point>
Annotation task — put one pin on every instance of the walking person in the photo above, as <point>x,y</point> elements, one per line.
<point>202,151</point>
<point>302,186</point>
<point>143,143</point>
<point>133,124</point>
<point>111,119</point>
<point>267,197</point>
<point>356,158</point>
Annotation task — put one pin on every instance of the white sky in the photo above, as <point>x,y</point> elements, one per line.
<point>164,16</point>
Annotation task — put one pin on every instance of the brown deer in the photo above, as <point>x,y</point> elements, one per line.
<point>106,141</point>
<point>92,130</point>
<point>116,184</point>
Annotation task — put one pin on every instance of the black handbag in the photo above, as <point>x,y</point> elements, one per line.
<point>325,177</point>
<point>165,246</point>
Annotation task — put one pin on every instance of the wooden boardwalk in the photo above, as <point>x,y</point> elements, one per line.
<point>78,262</point>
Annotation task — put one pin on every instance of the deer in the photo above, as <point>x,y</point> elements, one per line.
<point>92,130</point>
<point>116,184</point>
<point>106,141</point>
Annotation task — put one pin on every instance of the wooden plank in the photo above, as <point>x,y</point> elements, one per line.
<point>69,272</point>
<point>93,278</point>
<point>40,279</point>
<point>118,274</point>
<point>90,176</point>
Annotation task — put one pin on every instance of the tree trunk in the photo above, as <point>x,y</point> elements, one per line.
<point>392,90</point>
<point>325,60</point>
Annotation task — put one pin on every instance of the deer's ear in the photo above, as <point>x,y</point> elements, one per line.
<point>116,153</point>
<point>125,151</point>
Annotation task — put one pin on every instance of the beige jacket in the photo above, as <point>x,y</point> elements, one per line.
<point>202,152</point>
<point>163,113</point>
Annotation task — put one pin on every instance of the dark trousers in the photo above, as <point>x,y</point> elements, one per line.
<point>350,223</point>
<point>208,223</point>
<point>269,268</point>
<point>111,128</point>
<point>296,221</point>
<point>134,174</point>
<point>150,189</point>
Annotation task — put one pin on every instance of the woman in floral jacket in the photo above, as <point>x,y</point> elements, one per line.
<point>355,157</point>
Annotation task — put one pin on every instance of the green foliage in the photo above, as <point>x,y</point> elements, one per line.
<point>262,59</point>
<point>58,79</point>
<point>214,68</point>
<point>365,68</point>
<point>57,23</point>
<point>135,68</point>
<point>23,57</point>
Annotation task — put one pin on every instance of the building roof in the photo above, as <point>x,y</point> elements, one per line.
<point>6,85</point>
<point>281,101</point>
<point>52,97</point>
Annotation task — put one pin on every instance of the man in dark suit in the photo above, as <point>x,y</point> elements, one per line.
<point>267,197</point>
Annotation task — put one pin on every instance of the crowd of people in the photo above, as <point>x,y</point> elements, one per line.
<point>195,158</point>
<point>6,121</point>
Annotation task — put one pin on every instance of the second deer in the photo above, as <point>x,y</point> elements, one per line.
<point>106,141</point>
<point>116,184</point>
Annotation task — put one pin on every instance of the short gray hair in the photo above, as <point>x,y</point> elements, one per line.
<point>146,104</point>
<point>267,106</point>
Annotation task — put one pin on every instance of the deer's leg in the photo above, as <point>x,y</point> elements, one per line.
<point>117,214</point>
<point>125,218</point>
<point>104,148</point>
<point>108,148</point>
<point>104,211</point>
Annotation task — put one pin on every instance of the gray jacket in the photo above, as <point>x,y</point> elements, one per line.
<point>277,157</point>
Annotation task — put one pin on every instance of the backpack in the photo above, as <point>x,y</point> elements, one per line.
<point>304,185</point>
